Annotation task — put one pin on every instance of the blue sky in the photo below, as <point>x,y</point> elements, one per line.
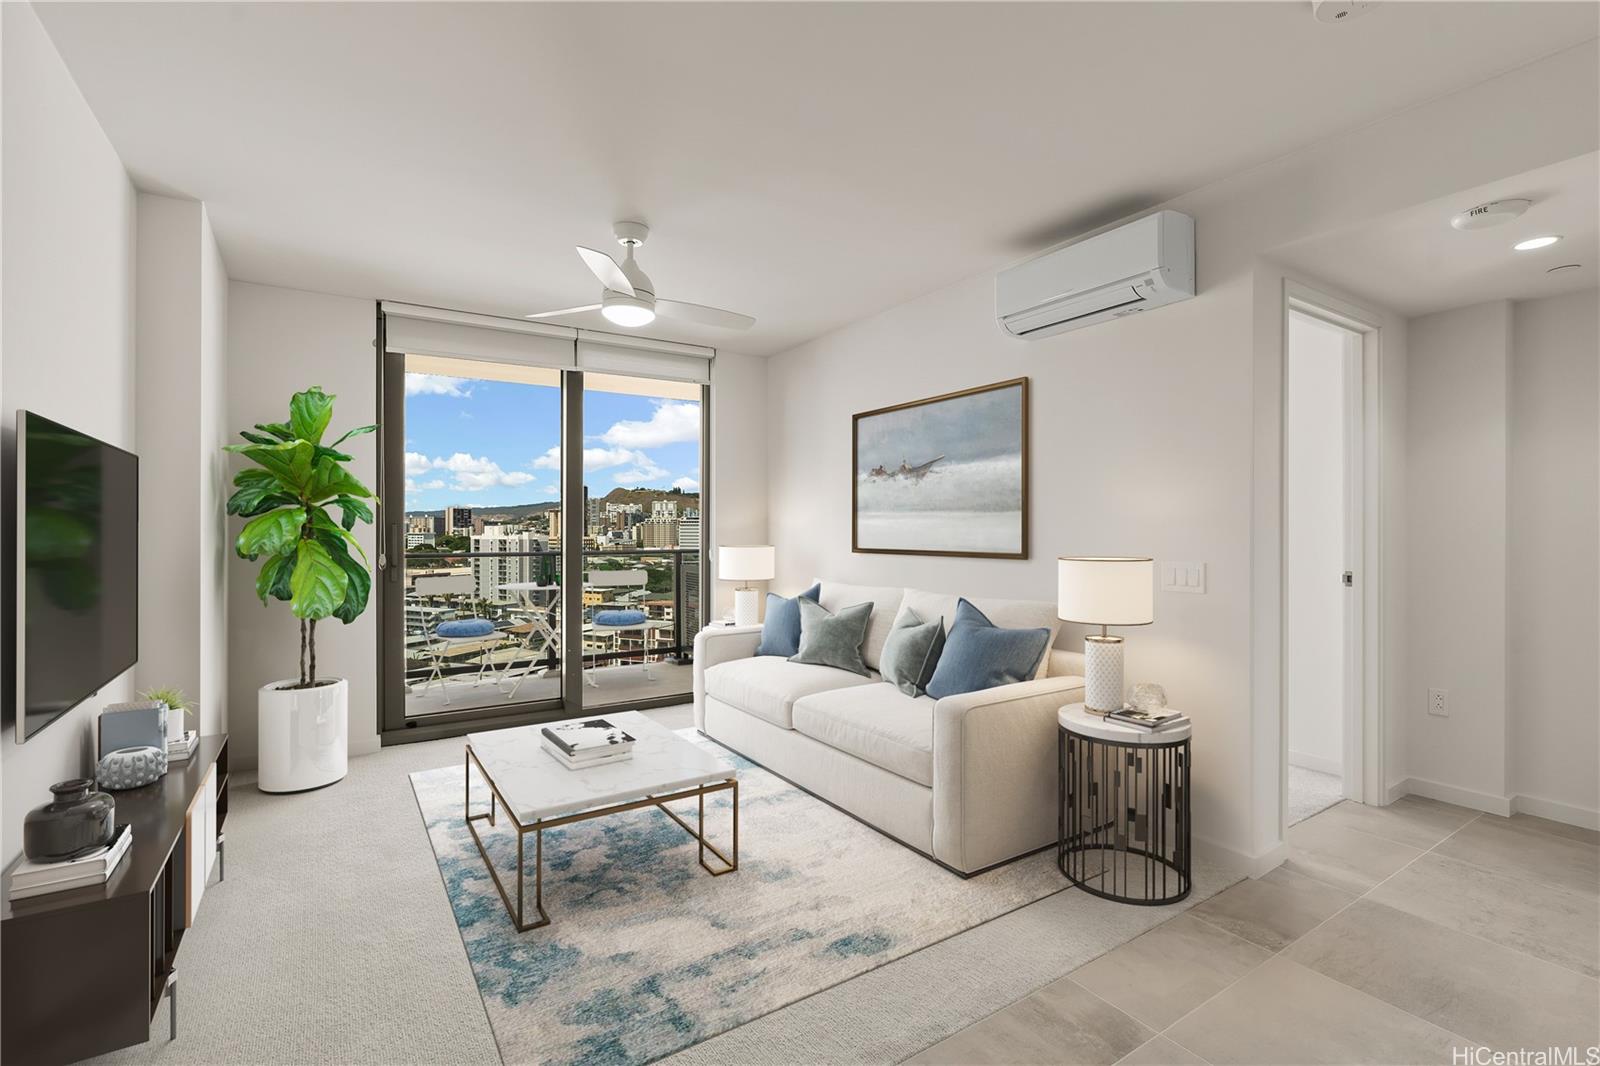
<point>475,443</point>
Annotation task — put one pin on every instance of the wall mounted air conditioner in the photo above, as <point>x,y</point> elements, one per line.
<point>1132,268</point>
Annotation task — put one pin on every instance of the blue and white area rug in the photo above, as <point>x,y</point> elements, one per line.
<point>647,953</point>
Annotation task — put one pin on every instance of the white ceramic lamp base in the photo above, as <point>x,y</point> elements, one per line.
<point>746,607</point>
<point>1102,674</point>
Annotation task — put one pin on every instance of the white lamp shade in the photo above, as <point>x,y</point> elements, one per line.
<point>746,562</point>
<point>1105,590</point>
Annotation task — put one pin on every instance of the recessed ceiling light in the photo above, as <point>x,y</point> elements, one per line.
<point>1493,213</point>
<point>1564,266</point>
<point>1533,243</point>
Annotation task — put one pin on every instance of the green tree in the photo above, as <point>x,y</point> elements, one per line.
<point>286,496</point>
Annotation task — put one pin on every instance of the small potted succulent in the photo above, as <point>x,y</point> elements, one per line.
<point>312,562</point>
<point>180,709</point>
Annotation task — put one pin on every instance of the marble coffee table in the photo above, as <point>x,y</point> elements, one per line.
<point>540,793</point>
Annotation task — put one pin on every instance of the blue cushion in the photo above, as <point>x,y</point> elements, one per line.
<point>780,633</point>
<point>618,618</point>
<point>466,627</point>
<point>979,654</point>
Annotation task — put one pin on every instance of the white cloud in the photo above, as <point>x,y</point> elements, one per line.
<point>473,474</point>
<point>643,470</point>
<point>436,385</point>
<point>469,473</point>
<point>670,423</point>
<point>687,484</point>
<point>597,459</point>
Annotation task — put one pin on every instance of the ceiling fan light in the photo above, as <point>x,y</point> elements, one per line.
<point>628,311</point>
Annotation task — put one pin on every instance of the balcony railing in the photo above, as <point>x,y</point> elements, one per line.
<point>520,593</point>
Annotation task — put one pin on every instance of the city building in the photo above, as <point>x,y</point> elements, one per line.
<point>664,509</point>
<point>658,533</point>
<point>422,523</point>
<point>689,531</point>
<point>457,520</point>
<point>490,573</point>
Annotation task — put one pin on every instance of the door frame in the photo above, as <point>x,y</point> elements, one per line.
<point>1363,725</point>
<point>394,727</point>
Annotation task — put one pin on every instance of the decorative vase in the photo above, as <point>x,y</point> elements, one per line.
<point>302,734</point>
<point>77,820</point>
<point>175,724</point>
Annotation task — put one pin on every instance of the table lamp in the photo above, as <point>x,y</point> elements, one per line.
<point>746,562</point>
<point>1104,591</point>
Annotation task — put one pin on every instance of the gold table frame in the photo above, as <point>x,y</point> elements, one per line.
<point>517,914</point>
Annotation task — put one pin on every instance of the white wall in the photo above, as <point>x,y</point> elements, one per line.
<point>738,462</point>
<point>67,241</point>
<point>1554,556</point>
<point>182,306</point>
<point>1159,433</point>
<point>279,342</point>
<point>1314,542</point>
<point>1456,594</point>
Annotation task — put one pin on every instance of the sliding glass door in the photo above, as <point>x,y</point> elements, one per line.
<point>513,477</point>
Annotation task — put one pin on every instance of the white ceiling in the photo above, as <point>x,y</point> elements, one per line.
<point>810,164</point>
<point>1415,263</point>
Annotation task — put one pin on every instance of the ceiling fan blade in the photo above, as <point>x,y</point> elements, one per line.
<point>705,316</point>
<point>564,311</point>
<point>606,269</point>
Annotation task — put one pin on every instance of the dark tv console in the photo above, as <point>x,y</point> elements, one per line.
<point>83,972</point>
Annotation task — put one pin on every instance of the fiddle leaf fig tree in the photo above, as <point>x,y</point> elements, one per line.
<point>308,559</point>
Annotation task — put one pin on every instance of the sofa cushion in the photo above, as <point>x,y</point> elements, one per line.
<point>1007,614</point>
<point>876,723</point>
<point>980,655</point>
<point>767,686</point>
<point>828,639</point>
<point>911,652</point>
<point>780,633</point>
<point>885,602</point>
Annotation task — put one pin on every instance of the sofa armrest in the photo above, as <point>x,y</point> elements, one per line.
<point>719,644</point>
<point>994,770</point>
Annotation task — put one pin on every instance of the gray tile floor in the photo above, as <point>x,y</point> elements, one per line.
<point>1391,935</point>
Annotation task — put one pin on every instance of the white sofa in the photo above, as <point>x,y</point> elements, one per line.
<point>969,780</point>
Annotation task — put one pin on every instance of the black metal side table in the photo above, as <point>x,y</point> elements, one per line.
<point>1123,827</point>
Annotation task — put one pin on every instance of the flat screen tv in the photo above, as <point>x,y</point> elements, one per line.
<point>77,568</point>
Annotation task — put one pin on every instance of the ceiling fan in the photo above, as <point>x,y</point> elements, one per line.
<point>629,296</point>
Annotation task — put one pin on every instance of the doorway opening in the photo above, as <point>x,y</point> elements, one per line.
<point>1323,454</point>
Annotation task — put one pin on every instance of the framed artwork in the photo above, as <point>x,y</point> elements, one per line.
<point>944,476</point>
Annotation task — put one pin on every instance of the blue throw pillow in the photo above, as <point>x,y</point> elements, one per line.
<point>780,633</point>
<point>979,654</point>
<point>466,627</point>
<point>618,618</point>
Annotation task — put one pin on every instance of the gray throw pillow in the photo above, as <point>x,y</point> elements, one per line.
<point>828,639</point>
<point>911,653</point>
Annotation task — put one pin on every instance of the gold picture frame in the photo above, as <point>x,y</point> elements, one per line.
<point>965,507</point>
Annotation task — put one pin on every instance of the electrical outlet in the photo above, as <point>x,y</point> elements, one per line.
<point>1437,702</point>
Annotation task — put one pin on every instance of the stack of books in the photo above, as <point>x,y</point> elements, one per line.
<point>592,742</point>
<point>180,748</point>
<point>30,878</point>
<point>1153,721</point>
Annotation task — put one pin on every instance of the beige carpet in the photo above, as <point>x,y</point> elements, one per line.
<point>332,941</point>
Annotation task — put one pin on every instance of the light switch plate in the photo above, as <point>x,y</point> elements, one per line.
<point>1183,577</point>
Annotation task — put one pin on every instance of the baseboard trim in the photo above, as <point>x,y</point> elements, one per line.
<point>1239,862</point>
<point>1316,762</point>
<point>1556,811</point>
<point>1487,802</point>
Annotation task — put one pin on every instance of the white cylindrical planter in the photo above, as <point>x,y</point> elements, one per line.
<point>746,607</point>
<point>1102,674</point>
<point>303,734</point>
